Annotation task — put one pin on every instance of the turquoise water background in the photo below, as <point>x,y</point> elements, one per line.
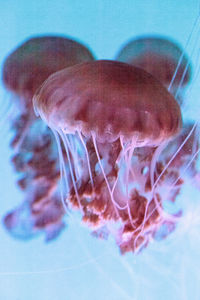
<point>76,265</point>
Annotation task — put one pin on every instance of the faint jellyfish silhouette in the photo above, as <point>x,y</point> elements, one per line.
<point>114,120</point>
<point>24,70</point>
<point>168,62</point>
<point>162,58</point>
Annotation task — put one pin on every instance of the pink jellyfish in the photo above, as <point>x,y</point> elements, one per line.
<point>114,120</point>
<point>24,70</point>
<point>162,58</point>
<point>169,63</point>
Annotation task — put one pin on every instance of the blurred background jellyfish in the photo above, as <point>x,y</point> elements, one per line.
<point>161,57</point>
<point>34,158</point>
<point>169,63</point>
<point>114,120</point>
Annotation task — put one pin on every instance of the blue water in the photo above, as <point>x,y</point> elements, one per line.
<point>76,265</point>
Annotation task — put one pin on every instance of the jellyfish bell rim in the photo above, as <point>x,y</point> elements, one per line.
<point>56,122</point>
<point>154,38</point>
<point>108,138</point>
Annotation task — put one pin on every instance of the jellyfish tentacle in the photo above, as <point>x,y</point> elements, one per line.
<point>128,162</point>
<point>63,174</point>
<point>188,42</point>
<point>72,144</point>
<point>87,156</point>
<point>104,175</point>
<point>173,156</point>
<point>66,145</point>
<point>194,156</point>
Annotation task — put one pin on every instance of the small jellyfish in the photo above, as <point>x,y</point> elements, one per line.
<point>35,160</point>
<point>162,58</point>
<point>114,120</point>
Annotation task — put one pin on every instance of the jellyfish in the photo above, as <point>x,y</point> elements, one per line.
<point>114,120</point>
<point>34,158</point>
<point>169,63</point>
<point>162,58</point>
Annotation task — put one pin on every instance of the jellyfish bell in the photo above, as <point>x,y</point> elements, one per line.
<point>113,119</point>
<point>110,99</point>
<point>161,57</point>
<point>29,65</point>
